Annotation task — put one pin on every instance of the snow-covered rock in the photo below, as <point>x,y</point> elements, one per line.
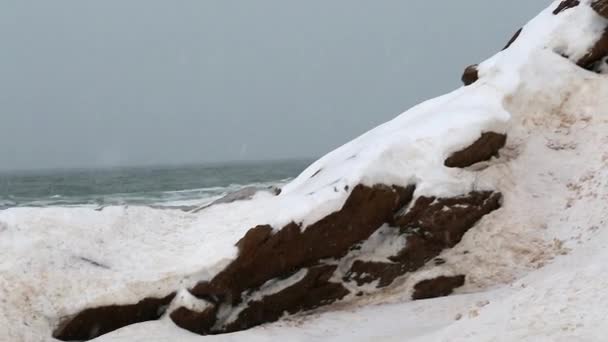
<point>497,191</point>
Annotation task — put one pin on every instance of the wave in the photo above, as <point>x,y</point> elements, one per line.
<point>159,199</point>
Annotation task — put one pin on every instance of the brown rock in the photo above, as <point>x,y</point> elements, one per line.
<point>311,292</point>
<point>483,149</point>
<point>94,322</point>
<point>601,7</point>
<point>431,225</point>
<point>366,272</point>
<point>196,322</point>
<point>445,220</point>
<point>566,4</point>
<point>437,287</point>
<point>595,54</point>
<point>470,75</point>
<point>265,254</point>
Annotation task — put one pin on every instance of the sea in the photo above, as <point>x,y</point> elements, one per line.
<point>160,186</point>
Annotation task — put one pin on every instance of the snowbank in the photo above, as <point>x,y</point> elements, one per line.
<point>526,230</point>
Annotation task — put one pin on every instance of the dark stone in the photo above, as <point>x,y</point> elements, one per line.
<point>470,75</point>
<point>446,220</point>
<point>438,287</point>
<point>312,291</point>
<point>483,149</point>
<point>601,7</point>
<point>265,254</point>
<point>95,322</point>
<point>432,225</point>
<point>513,39</point>
<point>196,322</point>
<point>595,54</point>
<point>566,4</point>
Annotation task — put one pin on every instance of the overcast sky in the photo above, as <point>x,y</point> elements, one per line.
<point>135,82</point>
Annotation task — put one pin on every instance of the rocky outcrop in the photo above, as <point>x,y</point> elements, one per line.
<point>265,254</point>
<point>470,75</point>
<point>314,290</point>
<point>486,147</point>
<point>94,322</point>
<point>431,225</point>
<point>601,7</point>
<point>596,54</point>
<point>437,287</point>
<point>599,51</point>
<point>238,297</point>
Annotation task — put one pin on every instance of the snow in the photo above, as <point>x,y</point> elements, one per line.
<point>536,269</point>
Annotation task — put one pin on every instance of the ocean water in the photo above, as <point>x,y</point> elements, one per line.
<point>173,186</point>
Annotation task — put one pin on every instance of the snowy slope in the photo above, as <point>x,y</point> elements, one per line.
<point>535,268</point>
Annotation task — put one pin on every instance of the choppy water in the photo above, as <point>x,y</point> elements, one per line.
<point>155,186</point>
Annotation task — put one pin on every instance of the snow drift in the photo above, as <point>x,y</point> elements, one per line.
<point>470,192</point>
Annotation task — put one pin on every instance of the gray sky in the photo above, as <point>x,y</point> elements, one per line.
<point>130,82</point>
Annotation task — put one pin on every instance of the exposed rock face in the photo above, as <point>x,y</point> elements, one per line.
<point>91,323</point>
<point>470,75</point>
<point>596,55</point>
<point>431,226</point>
<point>264,254</point>
<point>483,149</point>
<point>314,290</point>
<point>601,7</point>
<point>438,287</point>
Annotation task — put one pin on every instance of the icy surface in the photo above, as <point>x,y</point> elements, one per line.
<point>536,269</point>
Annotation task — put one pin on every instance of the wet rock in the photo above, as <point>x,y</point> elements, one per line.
<point>94,322</point>
<point>267,256</point>
<point>470,75</point>
<point>445,220</point>
<point>367,272</point>
<point>483,149</point>
<point>437,287</point>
